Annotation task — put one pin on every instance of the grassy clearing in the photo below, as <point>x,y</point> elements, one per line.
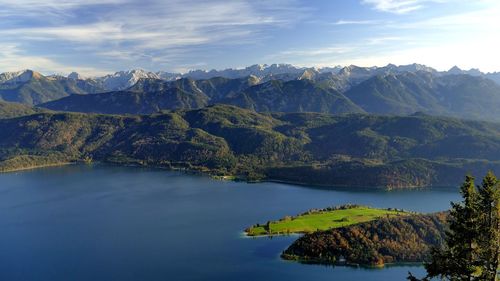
<point>323,219</point>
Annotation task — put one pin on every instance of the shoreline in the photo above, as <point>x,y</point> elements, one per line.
<point>381,187</point>
<point>228,177</point>
<point>59,164</point>
<point>289,258</point>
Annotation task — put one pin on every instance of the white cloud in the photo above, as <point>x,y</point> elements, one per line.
<point>479,20</point>
<point>472,54</point>
<point>356,22</point>
<point>327,55</point>
<point>442,57</point>
<point>399,6</point>
<point>48,10</point>
<point>13,59</point>
<point>171,22</point>
<point>154,28</point>
<point>313,52</point>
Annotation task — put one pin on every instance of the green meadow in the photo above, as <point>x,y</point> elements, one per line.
<point>324,219</point>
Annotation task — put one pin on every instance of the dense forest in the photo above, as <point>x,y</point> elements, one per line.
<point>10,110</point>
<point>387,240</point>
<point>321,149</point>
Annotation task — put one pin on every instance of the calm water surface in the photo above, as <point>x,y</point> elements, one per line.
<point>122,223</point>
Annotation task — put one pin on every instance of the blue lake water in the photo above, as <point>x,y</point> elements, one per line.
<point>124,223</point>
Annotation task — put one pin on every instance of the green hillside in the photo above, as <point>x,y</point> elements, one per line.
<point>324,219</point>
<point>10,110</point>
<point>321,149</point>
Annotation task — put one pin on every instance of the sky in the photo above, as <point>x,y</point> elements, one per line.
<point>94,37</point>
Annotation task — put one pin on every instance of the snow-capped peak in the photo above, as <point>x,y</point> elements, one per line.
<point>455,70</point>
<point>125,79</point>
<point>18,76</point>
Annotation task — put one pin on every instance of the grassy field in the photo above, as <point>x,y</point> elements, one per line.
<point>321,220</point>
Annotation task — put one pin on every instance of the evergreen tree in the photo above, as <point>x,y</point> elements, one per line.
<point>472,246</point>
<point>458,260</point>
<point>489,223</point>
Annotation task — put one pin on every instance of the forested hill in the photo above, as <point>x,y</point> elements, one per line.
<point>389,240</point>
<point>10,109</point>
<point>352,150</point>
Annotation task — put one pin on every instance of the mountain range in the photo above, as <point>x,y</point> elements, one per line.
<point>457,95</point>
<point>31,87</point>
<point>397,90</point>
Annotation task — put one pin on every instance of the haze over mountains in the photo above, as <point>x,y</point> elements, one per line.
<point>396,90</point>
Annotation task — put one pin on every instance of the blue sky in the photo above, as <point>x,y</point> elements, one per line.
<point>100,36</point>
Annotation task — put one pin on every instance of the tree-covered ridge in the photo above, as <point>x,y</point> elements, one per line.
<point>150,96</point>
<point>386,240</point>
<point>459,95</point>
<point>352,150</point>
<point>293,96</point>
<point>10,110</point>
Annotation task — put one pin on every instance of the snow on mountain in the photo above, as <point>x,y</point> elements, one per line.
<point>473,71</point>
<point>495,76</point>
<point>454,70</point>
<point>124,79</point>
<point>168,76</point>
<point>75,76</point>
<point>258,70</point>
<point>343,76</point>
<point>18,76</point>
<point>333,70</point>
<point>409,68</point>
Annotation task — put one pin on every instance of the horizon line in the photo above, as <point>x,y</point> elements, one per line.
<point>298,66</point>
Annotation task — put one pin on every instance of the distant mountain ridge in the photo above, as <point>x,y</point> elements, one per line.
<point>30,87</point>
<point>267,88</point>
<point>124,79</point>
<point>289,72</point>
<point>353,90</point>
<point>460,95</point>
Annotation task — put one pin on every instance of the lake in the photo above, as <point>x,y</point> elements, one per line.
<point>123,223</point>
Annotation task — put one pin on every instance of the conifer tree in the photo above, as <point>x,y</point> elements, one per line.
<point>472,246</point>
<point>489,224</point>
<point>458,259</point>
